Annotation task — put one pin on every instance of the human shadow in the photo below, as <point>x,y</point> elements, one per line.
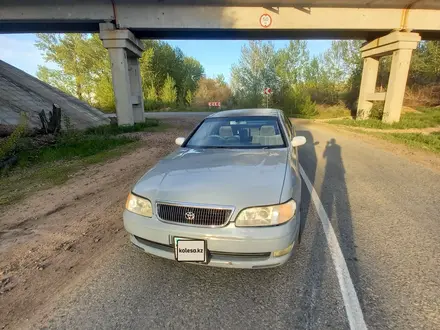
<point>320,280</point>
<point>313,240</point>
<point>335,199</point>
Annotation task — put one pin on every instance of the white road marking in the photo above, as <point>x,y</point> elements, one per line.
<point>351,301</point>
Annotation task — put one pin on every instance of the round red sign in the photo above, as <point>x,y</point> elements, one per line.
<point>265,20</point>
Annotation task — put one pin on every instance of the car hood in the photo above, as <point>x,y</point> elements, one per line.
<point>217,176</point>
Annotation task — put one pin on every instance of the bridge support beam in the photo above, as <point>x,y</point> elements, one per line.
<point>400,45</point>
<point>125,50</point>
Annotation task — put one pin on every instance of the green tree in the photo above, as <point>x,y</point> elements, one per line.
<point>425,68</point>
<point>74,58</point>
<point>221,81</point>
<point>84,67</point>
<point>169,93</point>
<point>160,60</point>
<point>189,97</point>
<point>151,93</point>
<point>255,71</point>
<point>342,59</point>
<point>192,72</point>
<point>292,62</point>
<point>58,79</point>
<point>211,90</point>
<point>151,100</point>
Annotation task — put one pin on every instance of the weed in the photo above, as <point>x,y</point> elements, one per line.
<point>429,142</point>
<point>9,146</point>
<point>115,129</point>
<point>426,117</point>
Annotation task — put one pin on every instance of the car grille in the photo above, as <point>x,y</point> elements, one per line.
<point>196,216</point>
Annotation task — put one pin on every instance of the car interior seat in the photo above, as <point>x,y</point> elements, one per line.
<point>225,131</point>
<point>267,137</point>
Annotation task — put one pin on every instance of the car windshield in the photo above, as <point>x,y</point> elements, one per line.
<point>238,132</point>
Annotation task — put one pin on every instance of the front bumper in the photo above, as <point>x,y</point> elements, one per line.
<point>228,246</point>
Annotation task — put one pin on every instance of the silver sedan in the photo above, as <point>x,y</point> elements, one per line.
<point>229,196</point>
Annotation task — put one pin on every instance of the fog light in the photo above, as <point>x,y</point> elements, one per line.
<point>283,252</point>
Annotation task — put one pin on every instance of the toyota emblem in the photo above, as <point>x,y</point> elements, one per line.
<point>189,216</point>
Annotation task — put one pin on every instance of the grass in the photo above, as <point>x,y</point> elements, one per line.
<point>189,109</point>
<point>54,164</point>
<point>429,142</point>
<point>334,111</point>
<point>148,125</point>
<point>426,117</point>
<point>71,147</point>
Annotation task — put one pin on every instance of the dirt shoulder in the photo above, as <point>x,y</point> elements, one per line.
<point>51,237</point>
<point>424,158</point>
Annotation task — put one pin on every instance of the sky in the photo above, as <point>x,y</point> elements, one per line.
<point>216,56</point>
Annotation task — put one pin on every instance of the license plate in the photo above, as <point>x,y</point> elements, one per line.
<point>190,250</point>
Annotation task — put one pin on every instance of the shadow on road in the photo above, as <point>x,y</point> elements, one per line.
<point>316,267</point>
<point>335,199</point>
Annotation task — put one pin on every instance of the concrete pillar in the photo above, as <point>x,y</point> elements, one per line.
<point>368,85</point>
<point>121,86</point>
<point>136,90</point>
<point>396,85</point>
<point>124,50</point>
<point>400,45</point>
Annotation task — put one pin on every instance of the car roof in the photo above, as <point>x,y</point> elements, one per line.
<point>246,112</point>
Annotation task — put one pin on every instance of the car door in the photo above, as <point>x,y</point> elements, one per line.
<point>293,152</point>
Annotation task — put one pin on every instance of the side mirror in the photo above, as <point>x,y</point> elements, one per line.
<point>179,141</point>
<point>298,141</point>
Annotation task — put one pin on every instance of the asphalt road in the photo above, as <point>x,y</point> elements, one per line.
<point>385,211</point>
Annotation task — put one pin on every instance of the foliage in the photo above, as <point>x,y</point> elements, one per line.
<point>168,94</point>
<point>332,111</point>
<point>211,90</point>
<point>10,144</point>
<point>189,97</point>
<point>377,110</point>
<point>342,59</point>
<point>292,63</point>
<point>115,129</point>
<point>160,60</point>
<point>151,100</point>
<point>78,56</point>
<point>425,69</point>
<point>256,70</point>
<point>171,79</point>
<point>68,147</point>
<point>427,117</point>
<point>429,142</point>
<point>298,103</point>
<point>84,70</point>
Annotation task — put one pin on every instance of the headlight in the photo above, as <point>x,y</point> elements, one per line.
<point>139,205</point>
<point>266,215</point>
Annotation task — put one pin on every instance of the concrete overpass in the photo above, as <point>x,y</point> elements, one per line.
<point>392,27</point>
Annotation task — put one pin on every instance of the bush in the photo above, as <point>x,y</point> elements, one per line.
<point>297,102</point>
<point>323,94</point>
<point>377,110</point>
<point>8,147</point>
<point>153,105</point>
